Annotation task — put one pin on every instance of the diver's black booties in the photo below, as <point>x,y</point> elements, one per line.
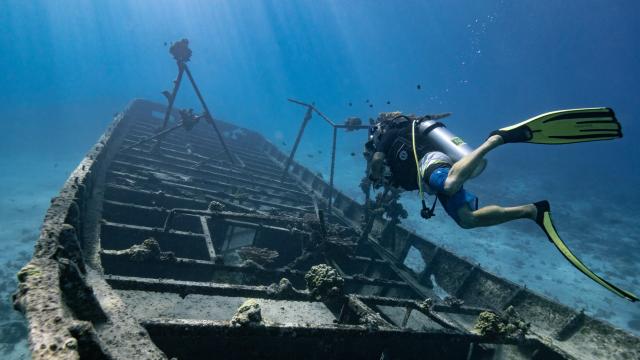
<point>542,207</point>
<point>519,134</point>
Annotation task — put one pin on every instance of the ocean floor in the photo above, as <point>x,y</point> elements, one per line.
<point>25,193</point>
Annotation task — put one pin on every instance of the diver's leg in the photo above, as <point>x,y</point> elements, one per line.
<point>494,215</point>
<point>462,170</point>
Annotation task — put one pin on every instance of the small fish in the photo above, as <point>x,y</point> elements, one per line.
<point>284,143</point>
<point>350,104</point>
<point>367,101</point>
<point>310,155</point>
<point>388,102</point>
<point>319,151</point>
<point>55,165</point>
<point>165,43</point>
<point>353,154</point>
<point>419,87</point>
<point>370,105</point>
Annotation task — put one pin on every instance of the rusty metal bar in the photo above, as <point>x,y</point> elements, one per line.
<point>333,165</point>
<point>218,328</point>
<point>208,114</point>
<point>407,315</point>
<point>228,175</point>
<point>156,136</point>
<point>207,237</point>
<point>174,92</point>
<point>513,297</point>
<point>305,121</point>
<point>200,288</point>
<point>365,314</point>
<point>465,282</point>
<point>571,326</point>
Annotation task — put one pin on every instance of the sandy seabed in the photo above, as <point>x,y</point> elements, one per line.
<point>25,194</point>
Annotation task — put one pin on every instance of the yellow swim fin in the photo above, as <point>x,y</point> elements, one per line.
<point>544,220</point>
<point>564,127</point>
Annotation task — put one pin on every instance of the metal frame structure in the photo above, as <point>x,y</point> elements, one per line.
<point>310,110</point>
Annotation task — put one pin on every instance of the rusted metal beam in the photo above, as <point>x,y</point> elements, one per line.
<point>571,326</point>
<point>207,237</point>
<point>201,288</point>
<point>296,196</point>
<point>465,282</point>
<point>210,119</point>
<point>213,328</point>
<point>174,93</point>
<point>333,165</point>
<point>305,121</point>
<point>158,136</point>
<point>365,314</point>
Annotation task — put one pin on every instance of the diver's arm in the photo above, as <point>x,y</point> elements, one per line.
<point>376,167</point>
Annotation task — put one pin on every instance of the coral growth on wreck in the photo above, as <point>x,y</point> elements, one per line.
<point>507,324</point>
<point>249,313</point>
<point>324,282</point>
<point>260,256</point>
<point>149,250</point>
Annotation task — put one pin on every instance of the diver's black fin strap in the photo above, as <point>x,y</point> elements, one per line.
<point>427,213</point>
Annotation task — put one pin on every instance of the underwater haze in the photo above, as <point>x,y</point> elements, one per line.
<point>68,66</point>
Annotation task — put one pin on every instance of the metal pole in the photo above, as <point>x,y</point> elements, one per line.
<point>333,164</point>
<point>208,114</point>
<point>158,136</point>
<point>306,119</point>
<point>174,93</point>
<point>324,117</point>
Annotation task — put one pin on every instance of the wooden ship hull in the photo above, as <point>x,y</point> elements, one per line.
<point>150,250</point>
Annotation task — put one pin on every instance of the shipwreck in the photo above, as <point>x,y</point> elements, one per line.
<point>183,236</point>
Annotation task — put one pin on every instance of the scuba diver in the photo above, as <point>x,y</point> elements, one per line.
<point>420,153</point>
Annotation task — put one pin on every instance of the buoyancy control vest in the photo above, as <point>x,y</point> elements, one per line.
<point>392,136</point>
<point>399,156</point>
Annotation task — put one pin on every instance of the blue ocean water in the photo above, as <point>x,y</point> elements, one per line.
<point>67,66</point>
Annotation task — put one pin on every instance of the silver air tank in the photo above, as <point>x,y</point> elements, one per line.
<point>445,141</point>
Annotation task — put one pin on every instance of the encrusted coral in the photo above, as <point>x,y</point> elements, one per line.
<point>260,256</point>
<point>215,206</point>
<point>324,282</point>
<point>149,250</point>
<point>28,270</point>
<point>247,314</point>
<point>282,289</point>
<point>454,302</point>
<point>426,304</point>
<point>507,324</point>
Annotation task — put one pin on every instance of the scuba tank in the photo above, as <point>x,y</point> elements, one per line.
<point>437,134</point>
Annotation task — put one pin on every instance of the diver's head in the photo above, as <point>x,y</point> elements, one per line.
<point>385,116</point>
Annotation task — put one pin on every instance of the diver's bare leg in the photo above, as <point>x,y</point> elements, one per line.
<point>462,170</point>
<point>493,215</point>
